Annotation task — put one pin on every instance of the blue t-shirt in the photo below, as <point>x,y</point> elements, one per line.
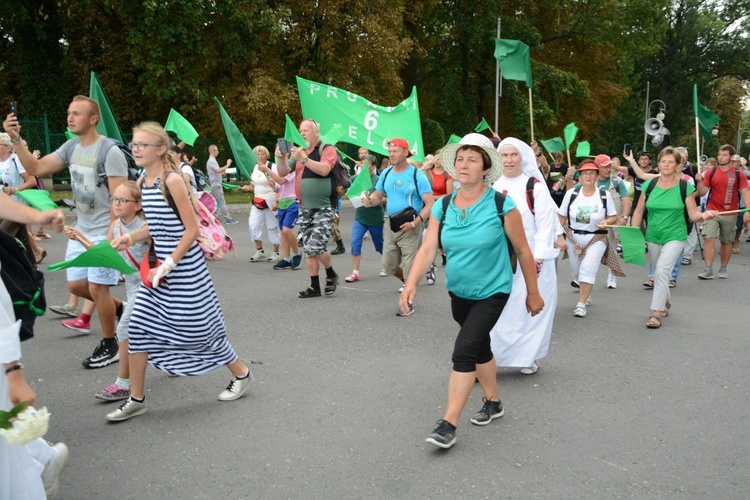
<point>476,246</point>
<point>400,190</point>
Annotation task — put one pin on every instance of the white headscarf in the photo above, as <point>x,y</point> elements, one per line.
<point>528,158</point>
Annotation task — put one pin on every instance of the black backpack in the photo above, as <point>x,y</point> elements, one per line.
<point>101,159</point>
<point>25,284</point>
<point>200,179</point>
<point>341,178</point>
<point>499,202</point>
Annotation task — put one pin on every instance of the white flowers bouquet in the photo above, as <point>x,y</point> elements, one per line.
<point>20,427</point>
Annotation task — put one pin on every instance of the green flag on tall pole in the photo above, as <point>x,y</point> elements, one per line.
<point>633,245</point>
<point>553,145</point>
<point>570,134</point>
<point>244,157</point>
<point>706,118</point>
<point>483,125</point>
<point>179,125</point>
<point>107,122</point>
<point>514,58</point>
<point>291,133</point>
<point>100,255</point>
<point>365,124</point>
<point>583,149</point>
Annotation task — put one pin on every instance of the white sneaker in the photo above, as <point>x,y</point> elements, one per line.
<point>54,468</point>
<point>579,312</point>
<point>588,301</point>
<point>259,256</point>
<point>274,257</point>
<point>612,282</point>
<point>236,388</point>
<point>530,370</point>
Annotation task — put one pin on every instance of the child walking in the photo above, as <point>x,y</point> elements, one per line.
<point>177,324</point>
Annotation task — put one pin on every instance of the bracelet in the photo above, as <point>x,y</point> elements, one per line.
<point>132,238</point>
<point>19,141</point>
<point>420,216</point>
<point>17,366</point>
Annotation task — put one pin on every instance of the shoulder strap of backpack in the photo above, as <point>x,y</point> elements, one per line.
<point>385,173</point>
<point>68,150</point>
<point>499,203</point>
<point>603,196</point>
<point>101,159</point>
<point>416,184</point>
<point>573,196</point>
<point>651,186</point>
<point>445,201</point>
<point>530,193</point>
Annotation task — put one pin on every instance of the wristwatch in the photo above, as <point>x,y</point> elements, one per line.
<point>304,160</point>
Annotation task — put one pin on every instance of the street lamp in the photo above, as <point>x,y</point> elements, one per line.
<point>655,126</point>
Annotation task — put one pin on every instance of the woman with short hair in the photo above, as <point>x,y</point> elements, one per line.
<point>261,210</point>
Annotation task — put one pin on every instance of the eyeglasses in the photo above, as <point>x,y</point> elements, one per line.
<point>141,145</point>
<point>120,201</point>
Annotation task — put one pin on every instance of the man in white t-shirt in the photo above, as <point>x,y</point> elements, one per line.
<point>91,196</point>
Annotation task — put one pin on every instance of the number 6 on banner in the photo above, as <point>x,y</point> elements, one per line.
<point>371,120</point>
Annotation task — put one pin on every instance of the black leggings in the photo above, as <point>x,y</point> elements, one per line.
<point>477,318</point>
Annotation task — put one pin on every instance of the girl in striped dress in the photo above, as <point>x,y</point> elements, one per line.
<point>177,325</point>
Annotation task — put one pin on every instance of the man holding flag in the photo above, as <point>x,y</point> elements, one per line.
<point>91,196</point>
<point>315,191</point>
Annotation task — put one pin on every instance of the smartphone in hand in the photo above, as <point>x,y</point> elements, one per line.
<point>285,147</point>
<point>627,149</point>
<point>14,108</point>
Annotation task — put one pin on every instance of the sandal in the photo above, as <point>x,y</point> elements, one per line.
<point>665,312</point>
<point>654,322</point>
<point>39,256</point>
<point>672,283</point>
<point>649,283</point>
<point>309,292</point>
<point>331,284</point>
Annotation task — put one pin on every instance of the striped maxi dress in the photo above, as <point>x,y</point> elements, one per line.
<point>179,323</point>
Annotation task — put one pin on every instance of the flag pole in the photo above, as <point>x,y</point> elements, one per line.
<point>569,162</point>
<point>498,80</point>
<point>697,143</point>
<point>531,115</point>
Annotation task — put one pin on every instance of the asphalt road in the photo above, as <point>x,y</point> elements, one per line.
<point>345,394</point>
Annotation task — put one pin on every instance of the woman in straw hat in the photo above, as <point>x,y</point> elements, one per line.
<point>477,224</point>
<point>518,340</point>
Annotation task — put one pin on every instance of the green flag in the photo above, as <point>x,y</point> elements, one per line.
<point>583,149</point>
<point>291,133</point>
<point>483,125</point>
<point>107,122</point>
<point>361,183</point>
<point>365,124</point>
<point>37,198</point>
<point>554,145</point>
<point>453,139</point>
<point>100,255</point>
<point>244,157</point>
<point>334,135</point>
<point>514,57</point>
<point>229,187</point>
<point>570,134</point>
<point>706,118</point>
<point>68,134</point>
<point>179,125</point>
<point>633,245</point>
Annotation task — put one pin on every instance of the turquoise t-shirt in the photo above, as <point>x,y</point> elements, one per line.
<point>476,246</point>
<point>665,213</point>
<point>400,190</point>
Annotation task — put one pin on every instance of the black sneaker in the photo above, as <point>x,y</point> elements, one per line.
<point>444,435</point>
<point>575,284</point>
<point>105,354</point>
<point>309,292</point>
<point>489,411</point>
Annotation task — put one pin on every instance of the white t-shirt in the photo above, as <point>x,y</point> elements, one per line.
<point>586,211</point>
<point>188,170</point>
<point>7,170</point>
<point>260,183</point>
